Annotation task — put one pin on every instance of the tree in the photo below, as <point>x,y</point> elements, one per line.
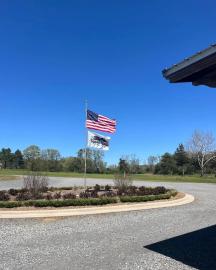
<point>202,146</point>
<point>81,153</point>
<point>181,157</point>
<point>94,160</point>
<point>167,164</point>
<point>134,164</point>
<point>123,166</point>
<point>50,158</point>
<point>6,157</point>
<point>18,159</point>
<point>50,154</point>
<point>32,156</point>
<point>152,161</point>
<point>99,165</point>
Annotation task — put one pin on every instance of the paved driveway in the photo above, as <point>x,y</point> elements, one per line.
<point>182,237</point>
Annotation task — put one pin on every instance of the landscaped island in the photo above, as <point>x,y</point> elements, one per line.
<point>80,196</point>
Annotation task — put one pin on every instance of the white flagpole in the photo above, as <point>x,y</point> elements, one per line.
<point>85,169</point>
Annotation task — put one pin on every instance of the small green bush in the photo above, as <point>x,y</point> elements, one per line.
<point>72,202</point>
<point>172,192</point>
<point>58,203</point>
<point>145,198</point>
<point>10,204</point>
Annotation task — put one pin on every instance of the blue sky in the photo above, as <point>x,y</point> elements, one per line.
<point>56,54</point>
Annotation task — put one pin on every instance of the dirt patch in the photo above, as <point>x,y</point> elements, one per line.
<point>9,177</point>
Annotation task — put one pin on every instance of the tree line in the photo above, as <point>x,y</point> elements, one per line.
<point>35,159</point>
<point>198,156</point>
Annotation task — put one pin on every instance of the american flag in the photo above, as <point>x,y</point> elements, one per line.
<point>99,122</point>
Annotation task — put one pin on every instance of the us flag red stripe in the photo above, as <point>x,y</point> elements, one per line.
<point>99,122</point>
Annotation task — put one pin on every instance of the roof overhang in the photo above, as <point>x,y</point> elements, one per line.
<point>199,69</point>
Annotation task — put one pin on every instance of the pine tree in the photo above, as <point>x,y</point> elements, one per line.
<point>18,159</point>
<point>167,164</point>
<point>6,157</point>
<point>181,158</point>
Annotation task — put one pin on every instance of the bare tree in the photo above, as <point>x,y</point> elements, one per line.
<point>202,146</point>
<point>152,161</point>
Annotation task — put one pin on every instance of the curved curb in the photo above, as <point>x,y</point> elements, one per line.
<point>69,212</point>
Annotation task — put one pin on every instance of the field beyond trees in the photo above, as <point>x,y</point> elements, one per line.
<point>10,174</point>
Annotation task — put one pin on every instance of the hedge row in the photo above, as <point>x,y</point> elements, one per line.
<point>86,201</point>
<point>147,198</point>
<point>58,203</point>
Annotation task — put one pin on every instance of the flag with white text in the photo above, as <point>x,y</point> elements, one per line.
<point>98,141</point>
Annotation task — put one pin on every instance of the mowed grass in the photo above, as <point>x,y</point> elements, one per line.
<point>11,174</point>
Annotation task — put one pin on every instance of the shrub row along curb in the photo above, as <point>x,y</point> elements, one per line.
<point>85,202</point>
<point>147,198</point>
<point>59,203</point>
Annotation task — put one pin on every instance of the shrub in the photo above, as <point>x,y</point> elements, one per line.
<point>109,193</point>
<point>36,182</point>
<point>23,190</point>
<point>57,195</point>
<point>37,196</point>
<point>24,196</point>
<point>70,195</point>
<point>159,190</point>
<point>97,188</point>
<point>145,190</point>
<point>71,202</point>
<point>13,191</point>
<point>144,198</point>
<point>84,194</point>
<point>48,196</point>
<point>59,203</point>
<point>4,196</point>
<point>172,192</point>
<point>131,190</point>
<point>88,194</point>
<point>107,188</point>
<point>122,182</point>
<point>10,204</point>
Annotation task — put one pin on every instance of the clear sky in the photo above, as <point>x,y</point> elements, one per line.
<point>56,54</point>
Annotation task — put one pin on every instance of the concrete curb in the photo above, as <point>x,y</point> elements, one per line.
<point>68,212</point>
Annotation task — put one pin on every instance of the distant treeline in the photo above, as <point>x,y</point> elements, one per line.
<point>200,158</point>
<point>35,159</point>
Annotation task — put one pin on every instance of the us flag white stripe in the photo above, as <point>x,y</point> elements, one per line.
<point>106,119</point>
<point>92,123</point>
<point>97,126</point>
<point>101,129</point>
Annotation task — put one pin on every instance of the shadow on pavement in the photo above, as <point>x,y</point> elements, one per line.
<point>196,249</point>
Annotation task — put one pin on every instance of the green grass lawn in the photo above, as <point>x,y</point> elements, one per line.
<point>10,174</point>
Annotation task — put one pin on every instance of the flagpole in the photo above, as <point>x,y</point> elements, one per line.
<point>85,169</point>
